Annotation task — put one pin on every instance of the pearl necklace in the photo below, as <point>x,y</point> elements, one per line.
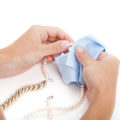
<point>49,109</point>
<point>32,87</point>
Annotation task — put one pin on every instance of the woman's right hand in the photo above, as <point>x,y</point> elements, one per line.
<point>100,78</point>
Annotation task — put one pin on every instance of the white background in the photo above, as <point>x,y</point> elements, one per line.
<point>101,18</point>
<point>77,17</point>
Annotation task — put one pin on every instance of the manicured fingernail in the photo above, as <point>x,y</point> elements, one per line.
<point>65,44</point>
<point>80,49</point>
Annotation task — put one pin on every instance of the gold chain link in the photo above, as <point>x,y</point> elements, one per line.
<point>21,91</point>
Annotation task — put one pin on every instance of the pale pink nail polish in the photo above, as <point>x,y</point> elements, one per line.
<point>65,44</point>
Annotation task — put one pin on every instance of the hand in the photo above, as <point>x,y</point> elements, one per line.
<point>38,42</point>
<point>100,75</point>
<point>101,78</point>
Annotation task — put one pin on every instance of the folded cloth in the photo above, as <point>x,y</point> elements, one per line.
<point>68,65</point>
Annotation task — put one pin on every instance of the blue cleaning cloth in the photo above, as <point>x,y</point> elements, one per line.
<point>68,65</point>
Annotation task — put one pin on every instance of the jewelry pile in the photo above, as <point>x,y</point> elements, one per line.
<point>49,109</point>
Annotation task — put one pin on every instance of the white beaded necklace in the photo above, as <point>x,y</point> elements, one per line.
<point>32,87</point>
<point>49,109</point>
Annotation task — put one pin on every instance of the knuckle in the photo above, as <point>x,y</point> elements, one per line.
<point>114,58</point>
<point>117,60</point>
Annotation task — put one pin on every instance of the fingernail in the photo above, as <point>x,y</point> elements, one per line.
<point>65,44</point>
<point>80,49</point>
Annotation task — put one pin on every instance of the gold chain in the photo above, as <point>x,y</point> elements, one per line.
<point>21,91</point>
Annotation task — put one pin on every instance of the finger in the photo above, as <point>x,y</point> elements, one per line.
<point>66,51</point>
<point>56,55</point>
<point>83,56</point>
<point>102,56</point>
<point>110,58</point>
<point>55,48</point>
<point>50,58</point>
<point>52,40</point>
<point>58,34</point>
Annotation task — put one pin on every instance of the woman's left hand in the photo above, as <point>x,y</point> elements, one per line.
<point>38,42</point>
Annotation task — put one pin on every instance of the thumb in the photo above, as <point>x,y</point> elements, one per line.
<point>83,56</point>
<point>56,47</point>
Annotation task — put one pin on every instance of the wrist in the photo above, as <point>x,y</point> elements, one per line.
<point>101,91</point>
<point>8,52</point>
<point>101,107</point>
<point>5,54</point>
<point>7,63</point>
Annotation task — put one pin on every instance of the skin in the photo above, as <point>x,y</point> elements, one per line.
<point>101,80</point>
<point>38,42</point>
<point>42,41</point>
